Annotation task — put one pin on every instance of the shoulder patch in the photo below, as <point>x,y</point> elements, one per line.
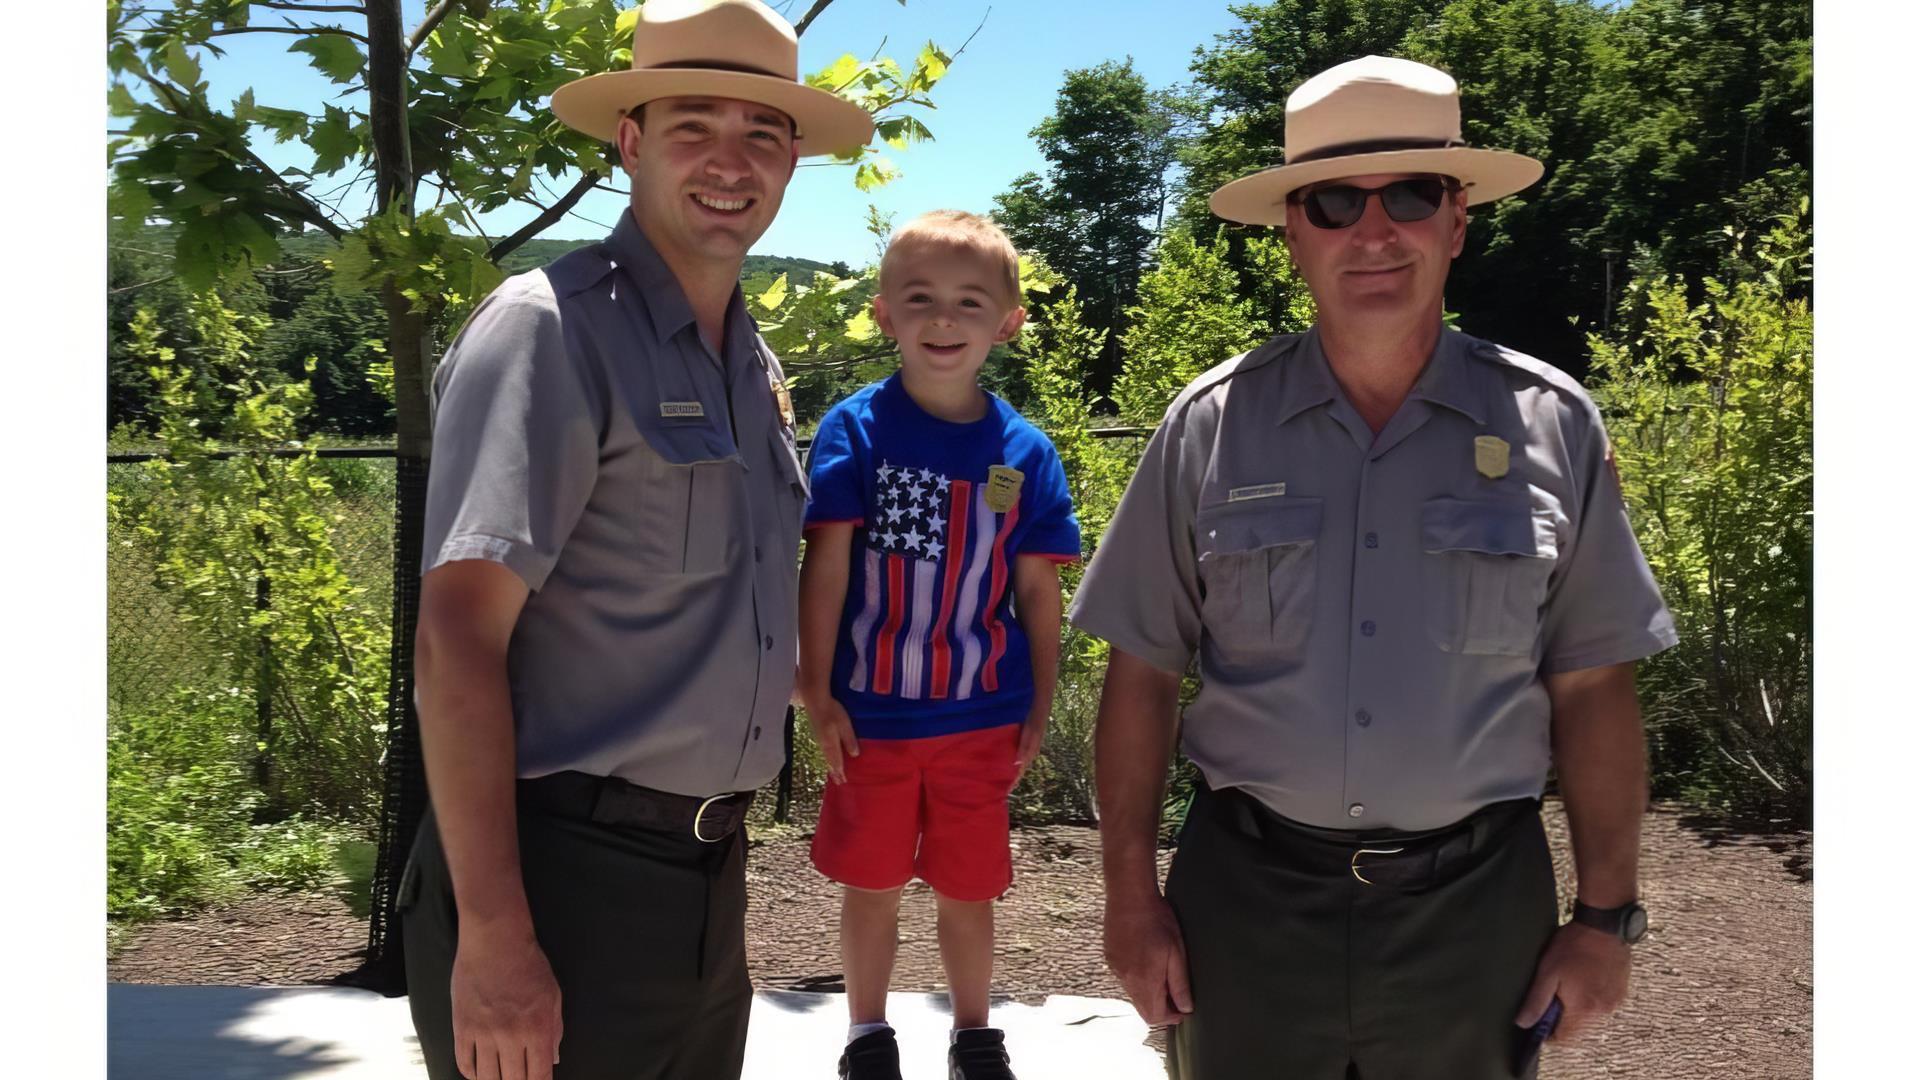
<point>578,270</point>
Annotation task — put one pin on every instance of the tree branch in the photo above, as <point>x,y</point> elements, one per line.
<point>344,9</point>
<point>547,217</point>
<point>434,18</point>
<point>812,14</point>
<point>303,207</point>
<point>301,31</point>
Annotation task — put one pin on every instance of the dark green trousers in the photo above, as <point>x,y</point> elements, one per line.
<point>1301,971</point>
<point>646,932</point>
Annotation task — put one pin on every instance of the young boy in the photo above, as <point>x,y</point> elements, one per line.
<point>930,629</point>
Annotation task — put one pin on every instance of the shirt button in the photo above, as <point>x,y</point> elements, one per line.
<point>756,731</point>
<point>1367,628</point>
<point>756,553</point>
<point>769,642</point>
<point>1373,540</point>
<point>1363,718</point>
<point>1356,810</point>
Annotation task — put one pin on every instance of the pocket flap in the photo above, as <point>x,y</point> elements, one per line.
<point>1226,528</point>
<point>1492,528</point>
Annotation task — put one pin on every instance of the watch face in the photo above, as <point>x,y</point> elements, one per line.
<point>1634,926</point>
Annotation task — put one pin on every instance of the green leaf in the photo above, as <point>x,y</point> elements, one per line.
<point>120,101</point>
<point>179,65</point>
<point>336,57</point>
<point>862,327</point>
<point>775,294</point>
<point>876,173</point>
<point>838,74</point>
<point>333,141</point>
<point>929,67</point>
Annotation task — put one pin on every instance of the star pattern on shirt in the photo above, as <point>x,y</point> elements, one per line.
<point>910,516</point>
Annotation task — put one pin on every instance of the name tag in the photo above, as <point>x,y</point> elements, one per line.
<point>680,410</point>
<point>1256,491</point>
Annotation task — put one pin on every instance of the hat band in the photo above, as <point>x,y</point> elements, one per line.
<point>1374,146</point>
<point>716,65</point>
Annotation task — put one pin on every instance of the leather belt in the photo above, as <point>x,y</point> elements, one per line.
<point>1370,857</point>
<point>609,800</point>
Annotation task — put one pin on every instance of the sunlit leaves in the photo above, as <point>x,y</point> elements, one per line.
<point>334,55</point>
<point>334,141</point>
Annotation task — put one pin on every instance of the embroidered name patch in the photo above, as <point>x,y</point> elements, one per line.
<point>675,410</point>
<point>1256,491</point>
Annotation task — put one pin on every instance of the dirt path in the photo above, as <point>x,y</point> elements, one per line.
<point>1723,984</point>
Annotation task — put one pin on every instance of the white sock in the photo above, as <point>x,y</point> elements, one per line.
<point>855,1031</point>
<point>954,1035</point>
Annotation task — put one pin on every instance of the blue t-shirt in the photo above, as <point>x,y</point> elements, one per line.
<point>929,642</point>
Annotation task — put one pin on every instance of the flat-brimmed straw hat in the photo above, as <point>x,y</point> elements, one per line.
<point>715,48</point>
<point>1377,114</point>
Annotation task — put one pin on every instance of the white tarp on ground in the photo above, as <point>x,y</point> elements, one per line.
<point>310,1033</point>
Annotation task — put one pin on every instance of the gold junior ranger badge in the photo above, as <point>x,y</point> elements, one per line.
<point>781,398</point>
<point>1003,488</point>
<point>1490,454</point>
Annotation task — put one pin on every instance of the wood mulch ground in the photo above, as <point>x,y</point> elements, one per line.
<point>1723,983</point>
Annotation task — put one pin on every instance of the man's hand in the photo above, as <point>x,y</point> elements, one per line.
<point>1145,952</point>
<point>506,1008</point>
<point>1033,735</point>
<point>833,730</point>
<point>1587,970</point>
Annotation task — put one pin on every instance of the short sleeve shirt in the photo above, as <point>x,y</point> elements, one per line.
<point>649,493</point>
<point>1373,615</point>
<point>930,643</point>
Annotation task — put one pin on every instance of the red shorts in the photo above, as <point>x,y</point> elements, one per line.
<point>931,808</point>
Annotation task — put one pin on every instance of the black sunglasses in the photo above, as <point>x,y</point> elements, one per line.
<point>1337,206</point>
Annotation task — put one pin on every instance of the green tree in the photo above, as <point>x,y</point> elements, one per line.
<point>1710,407</point>
<point>1110,147</point>
<point>1195,312</point>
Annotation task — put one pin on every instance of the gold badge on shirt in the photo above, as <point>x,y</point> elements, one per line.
<point>1003,488</point>
<point>1490,454</point>
<point>781,398</point>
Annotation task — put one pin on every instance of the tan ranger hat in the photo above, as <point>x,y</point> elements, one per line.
<point>1377,114</point>
<point>715,48</point>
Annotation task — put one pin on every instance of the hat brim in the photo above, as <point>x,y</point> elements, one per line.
<point>1261,199</point>
<point>826,123</point>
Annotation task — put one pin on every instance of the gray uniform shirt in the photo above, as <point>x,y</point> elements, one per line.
<point>649,494</point>
<point>1373,615</point>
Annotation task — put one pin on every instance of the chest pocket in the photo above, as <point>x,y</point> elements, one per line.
<point>692,517</point>
<point>1486,570</point>
<point>1257,574</point>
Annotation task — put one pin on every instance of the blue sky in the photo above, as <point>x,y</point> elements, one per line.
<point>994,94</point>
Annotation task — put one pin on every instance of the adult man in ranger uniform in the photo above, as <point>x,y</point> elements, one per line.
<point>607,617</point>
<point>1401,557</point>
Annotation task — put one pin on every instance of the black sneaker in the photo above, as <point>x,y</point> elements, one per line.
<point>873,1056</point>
<point>979,1054</point>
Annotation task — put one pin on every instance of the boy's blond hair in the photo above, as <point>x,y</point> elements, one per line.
<point>959,229</point>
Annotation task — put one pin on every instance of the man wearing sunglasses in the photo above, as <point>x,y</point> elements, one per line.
<point>1400,556</point>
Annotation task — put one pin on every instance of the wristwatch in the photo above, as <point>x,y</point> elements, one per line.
<point>1628,922</point>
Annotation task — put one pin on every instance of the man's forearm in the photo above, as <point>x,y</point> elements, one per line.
<point>1132,745</point>
<point>1599,752</point>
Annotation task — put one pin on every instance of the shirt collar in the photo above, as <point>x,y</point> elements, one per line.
<point>660,291</point>
<point>1450,378</point>
<point>1308,381</point>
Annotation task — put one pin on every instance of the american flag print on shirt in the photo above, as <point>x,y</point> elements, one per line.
<point>936,571</point>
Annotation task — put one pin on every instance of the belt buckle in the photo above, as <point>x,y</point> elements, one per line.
<point>696,820</point>
<point>1353,864</point>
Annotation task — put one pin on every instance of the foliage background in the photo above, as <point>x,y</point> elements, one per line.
<point>1666,258</point>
